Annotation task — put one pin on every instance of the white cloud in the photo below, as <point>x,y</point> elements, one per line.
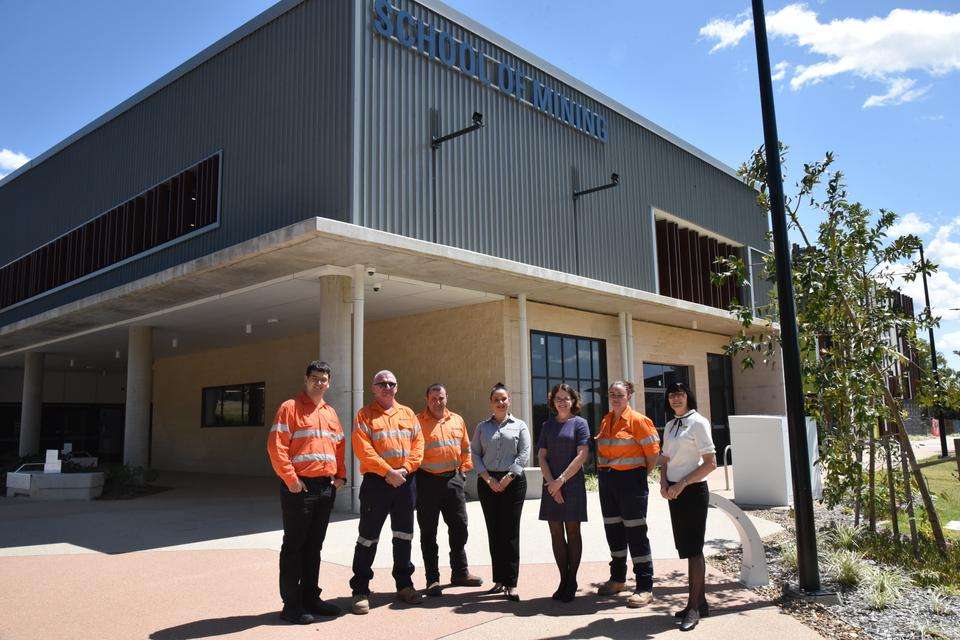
<point>944,293</point>
<point>935,118</point>
<point>900,91</point>
<point>910,223</point>
<point>10,160</point>
<point>883,49</point>
<point>948,342</point>
<point>727,33</point>
<point>944,250</point>
<point>780,71</point>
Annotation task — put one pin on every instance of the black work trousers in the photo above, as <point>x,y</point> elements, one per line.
<point>438,495</point>
<point>377,501</point>
<point>305,518</point>
<point>501,511</point>
<point>623,503</point>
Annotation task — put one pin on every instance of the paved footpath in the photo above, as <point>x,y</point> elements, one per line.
<point>202,563</point>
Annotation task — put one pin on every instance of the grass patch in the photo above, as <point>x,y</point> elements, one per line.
<point>847,568</point>
<point>941,476</point>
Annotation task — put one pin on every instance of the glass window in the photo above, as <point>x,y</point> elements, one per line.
<point>239,405</point>
<point>656,378</point>
<point>577,361</point>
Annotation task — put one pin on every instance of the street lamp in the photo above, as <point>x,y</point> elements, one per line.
<point>807,564</point>
<point>933,361</point>
<point>435,141</point>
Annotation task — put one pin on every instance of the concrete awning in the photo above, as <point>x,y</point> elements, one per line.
<point>319,245</point>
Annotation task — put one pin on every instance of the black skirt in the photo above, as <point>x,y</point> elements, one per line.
<point>688,515</point>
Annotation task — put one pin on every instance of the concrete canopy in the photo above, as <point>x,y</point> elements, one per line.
<point>274,269</point>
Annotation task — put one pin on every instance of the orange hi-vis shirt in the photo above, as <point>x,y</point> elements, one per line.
<point>446,444</point>
<point>386,439</point>
<point>628,443</point>
<point>306,439</point>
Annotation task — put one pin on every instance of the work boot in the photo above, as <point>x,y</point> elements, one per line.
<point>318,607</point>
<point>434,590</point>
<point>703,610</point>
<point>295,616</point>
<point>466,580</point>
<point>409,595</point>
<point>611,588</point>
<point>361,604</point>
<point>639,599</point>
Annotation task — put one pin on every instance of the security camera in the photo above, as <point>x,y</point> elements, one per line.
<point>371,271</point>
<point>376,287</point>
<point>615,178</point>
<point>478,118</point>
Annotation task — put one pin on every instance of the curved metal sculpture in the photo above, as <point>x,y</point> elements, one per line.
<point>753,569</point>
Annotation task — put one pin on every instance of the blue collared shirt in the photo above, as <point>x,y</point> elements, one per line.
<point>501,447</point>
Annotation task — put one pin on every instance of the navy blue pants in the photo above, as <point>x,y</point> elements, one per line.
<point>623,503</point>
<point>436,496</point>
<point>378,500</point>
<point>305,518</point>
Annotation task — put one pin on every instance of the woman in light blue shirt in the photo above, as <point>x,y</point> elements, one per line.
<point>501,449</point>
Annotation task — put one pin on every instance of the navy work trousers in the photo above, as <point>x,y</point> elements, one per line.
<point>438,495</point>
<point>305,518</point>
<point>377,501</point>
<point>623,503</point>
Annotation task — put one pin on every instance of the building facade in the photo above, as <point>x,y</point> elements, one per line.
<point>381,184</point>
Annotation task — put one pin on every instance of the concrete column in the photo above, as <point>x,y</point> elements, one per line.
<point>356,394</point>
<point>136,428</point>
<point>335,349</point>
<point>32,403</point>
<point>632,362</point>
<point>525,404</point>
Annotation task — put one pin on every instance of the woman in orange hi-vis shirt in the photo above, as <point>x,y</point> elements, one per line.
<point>306,448</point>
<point>627,446</point>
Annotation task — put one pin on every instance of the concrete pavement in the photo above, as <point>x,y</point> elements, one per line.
<point>200,560</point>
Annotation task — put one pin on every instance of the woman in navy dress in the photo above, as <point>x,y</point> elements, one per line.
<point>562,449</point>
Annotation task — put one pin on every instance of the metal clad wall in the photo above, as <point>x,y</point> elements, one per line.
<point>277,103</point>
<point>506,190</point>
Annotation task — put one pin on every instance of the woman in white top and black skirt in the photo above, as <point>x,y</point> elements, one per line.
<point>686,459</point>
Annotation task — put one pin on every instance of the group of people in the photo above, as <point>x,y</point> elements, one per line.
<point>417,463</point>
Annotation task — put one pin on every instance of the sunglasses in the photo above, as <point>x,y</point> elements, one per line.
<point>385,385</point>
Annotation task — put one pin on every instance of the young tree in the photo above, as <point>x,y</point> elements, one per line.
<point>844,271</point>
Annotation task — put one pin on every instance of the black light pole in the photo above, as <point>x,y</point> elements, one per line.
<point>933,363</point>
<point>807,565</point>
<point>435,141</point>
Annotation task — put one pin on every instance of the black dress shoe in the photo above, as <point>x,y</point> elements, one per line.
<point>703,610</point>
<point>561,589</point>
<point>570,592</point>
<point>512,594</point>
<point>296,616</point>
<point>434,590</point>
<point>496,588</point>
<point>690,620</point>
<point>318,607</point>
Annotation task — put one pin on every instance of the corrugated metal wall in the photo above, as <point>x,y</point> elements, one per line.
<point>506,189</point>
<point>277,103</point>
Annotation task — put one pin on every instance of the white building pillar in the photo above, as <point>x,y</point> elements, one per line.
<point>632,362</point>
<point>357,392</point>
<point>32,404</point>
<point>525,404</point>
<point>334,334</point>
<point>136,428</point>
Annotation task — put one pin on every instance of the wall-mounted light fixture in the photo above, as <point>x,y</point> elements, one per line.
<point>174,343</point>
<point>435,141</point>
<point>614,181</point>
<point>116,354</point>
<point>248,328</point>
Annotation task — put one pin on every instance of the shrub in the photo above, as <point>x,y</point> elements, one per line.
<point>124,480</point>
<point>788,556</point>
<point>847,568</point>
<point>844,536</point>
<point>885,589</point>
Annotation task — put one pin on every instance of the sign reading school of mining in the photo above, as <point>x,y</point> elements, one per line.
<point>440,45</point>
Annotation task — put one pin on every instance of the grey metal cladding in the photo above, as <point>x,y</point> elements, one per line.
<point>506,189</point>
<point>277,103</point>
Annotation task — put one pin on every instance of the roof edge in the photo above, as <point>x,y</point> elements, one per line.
<point>437,6</point>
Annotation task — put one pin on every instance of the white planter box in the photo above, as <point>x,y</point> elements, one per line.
<point>54,486</point>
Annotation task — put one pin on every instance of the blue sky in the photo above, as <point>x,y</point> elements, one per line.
<point>876,82</point>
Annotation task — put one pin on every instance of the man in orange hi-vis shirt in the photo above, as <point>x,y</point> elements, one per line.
<point>440,479</point>
<point>389,445</point>
<point>306,448</point>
